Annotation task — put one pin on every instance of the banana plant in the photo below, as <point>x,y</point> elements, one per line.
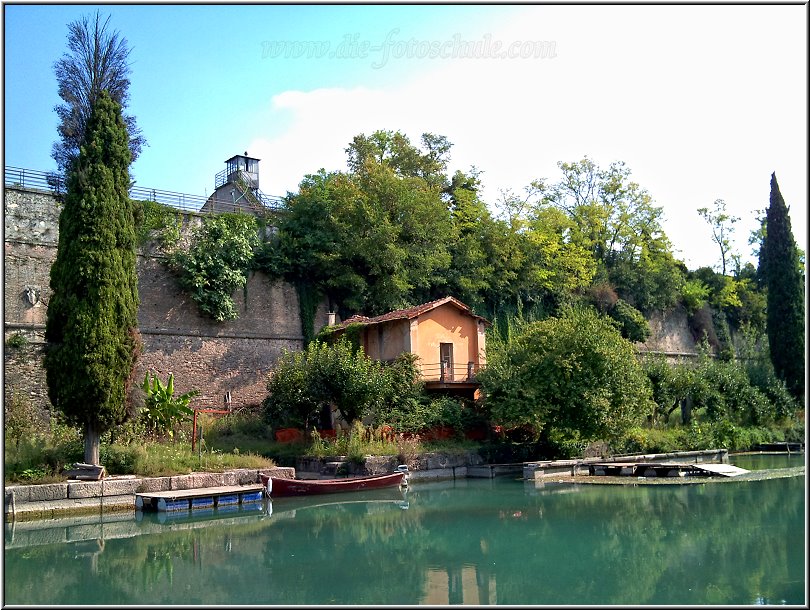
<point>162,409</point>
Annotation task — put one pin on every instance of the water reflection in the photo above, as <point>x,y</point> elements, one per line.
<point>464,542</point>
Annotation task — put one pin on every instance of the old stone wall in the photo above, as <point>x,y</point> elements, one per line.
<point>670,334</point>
<point>211,357</point>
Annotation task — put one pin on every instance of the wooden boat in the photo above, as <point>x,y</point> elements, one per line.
<point>276,487</point>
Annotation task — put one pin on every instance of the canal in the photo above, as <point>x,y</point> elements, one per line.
<point>470,541</point>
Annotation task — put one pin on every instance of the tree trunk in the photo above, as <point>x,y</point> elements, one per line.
<point>91,445</point>
<point>686,410</point>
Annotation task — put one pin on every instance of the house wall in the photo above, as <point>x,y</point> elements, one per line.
<point>446,324</point>
<point>387,341</point>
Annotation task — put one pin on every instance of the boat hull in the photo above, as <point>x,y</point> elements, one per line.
<point>277,487</point>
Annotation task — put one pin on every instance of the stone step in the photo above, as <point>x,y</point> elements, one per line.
<point>335,468</point>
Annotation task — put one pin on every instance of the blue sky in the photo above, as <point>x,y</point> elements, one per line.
<point>701,102</point>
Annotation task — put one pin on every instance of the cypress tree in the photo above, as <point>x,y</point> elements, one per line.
<point>784,281</point>
<point>91,328</point>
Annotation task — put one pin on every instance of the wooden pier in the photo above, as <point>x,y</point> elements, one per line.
<point>663,469</point>
<point>190,499</point>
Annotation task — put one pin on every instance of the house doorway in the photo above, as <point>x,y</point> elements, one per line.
<point>446,359</point>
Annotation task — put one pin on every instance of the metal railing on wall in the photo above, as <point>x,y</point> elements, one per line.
<point>446,373</point>
<point>50,181</point>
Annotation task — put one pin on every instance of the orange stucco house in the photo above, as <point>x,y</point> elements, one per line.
<point>445,334</point>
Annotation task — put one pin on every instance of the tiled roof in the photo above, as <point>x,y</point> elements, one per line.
<point>411,312</point>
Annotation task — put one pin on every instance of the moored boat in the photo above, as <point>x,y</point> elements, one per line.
<point>279,487</point>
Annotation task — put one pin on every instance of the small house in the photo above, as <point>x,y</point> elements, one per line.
<point>447,337</point>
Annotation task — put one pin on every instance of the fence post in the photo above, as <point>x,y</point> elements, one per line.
<point>194,432</point>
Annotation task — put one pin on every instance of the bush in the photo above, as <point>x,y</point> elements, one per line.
<point>574,373</point>
<point>694,295</point>
<point>632,323</point>
<point>122,459</point>
<point>217,263</point>
<point>305,386</point>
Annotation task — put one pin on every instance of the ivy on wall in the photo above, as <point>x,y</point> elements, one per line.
<point>308,300</point>
<point>156,221</point>
<point>217,262</point>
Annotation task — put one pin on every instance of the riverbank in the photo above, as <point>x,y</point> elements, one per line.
<point>116,494</point>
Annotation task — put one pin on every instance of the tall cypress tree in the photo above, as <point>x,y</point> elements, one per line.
<point>91,329</point>
<point>784,280</point>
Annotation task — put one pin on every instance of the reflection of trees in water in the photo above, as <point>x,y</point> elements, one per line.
<point>690,544</point>
<point>601,545</point>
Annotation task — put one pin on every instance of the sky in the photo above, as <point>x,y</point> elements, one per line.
<point>700,102</point>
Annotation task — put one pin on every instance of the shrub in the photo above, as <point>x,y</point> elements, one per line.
<point>17,341</point>
<point>122,459</point>
<point>573,373</point>
<point>217,263</point>
<point>632,323</point>
<point>694,295</point>
<point>304,386</point>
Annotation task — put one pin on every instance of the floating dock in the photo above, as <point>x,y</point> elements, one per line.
<point>663,469</point>
<point>205,498</point>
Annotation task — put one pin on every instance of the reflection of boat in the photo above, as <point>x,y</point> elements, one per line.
<point>367,501</point>
<point>278,487</point>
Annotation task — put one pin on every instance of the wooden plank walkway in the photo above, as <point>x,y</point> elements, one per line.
<point>189,499</point>
<point>662,469</point>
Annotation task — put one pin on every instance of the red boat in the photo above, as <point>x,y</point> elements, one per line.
<point>276,487</point>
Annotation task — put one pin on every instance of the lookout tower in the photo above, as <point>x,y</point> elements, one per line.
<point>240,167</point>
<point>236,188</point>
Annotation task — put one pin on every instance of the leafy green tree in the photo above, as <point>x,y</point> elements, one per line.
<point>616,221</point>
<point>304,387</point>
<point>671,387</point>
<point>98,61</point>
<point>376,238</point>
<point>780,267</point>
<point>722,225</point>
<point>217,263</point>
<point>574,374</point>
<point>91,328</point>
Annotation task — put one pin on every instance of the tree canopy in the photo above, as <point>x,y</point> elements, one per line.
<point>97,61</point>
<point>572,374</point>
<point>91,327</point>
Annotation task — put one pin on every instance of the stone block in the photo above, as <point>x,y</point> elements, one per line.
<point>155,484</point>
<point>120,487</point>
<point>241,476</point>
<point>52,491</point>
<point>182,481</point>
<point>21,493</point>
<point>427,475</point>
<point>85,489</point>
<point>206,479</point>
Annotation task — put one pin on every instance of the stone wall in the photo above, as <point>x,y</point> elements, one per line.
<point>211,357</point>
<point>670,334</point>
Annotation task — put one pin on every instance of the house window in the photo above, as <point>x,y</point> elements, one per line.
<point>446,359</point>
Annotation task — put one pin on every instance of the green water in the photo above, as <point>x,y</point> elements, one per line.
<point>471,541</point>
